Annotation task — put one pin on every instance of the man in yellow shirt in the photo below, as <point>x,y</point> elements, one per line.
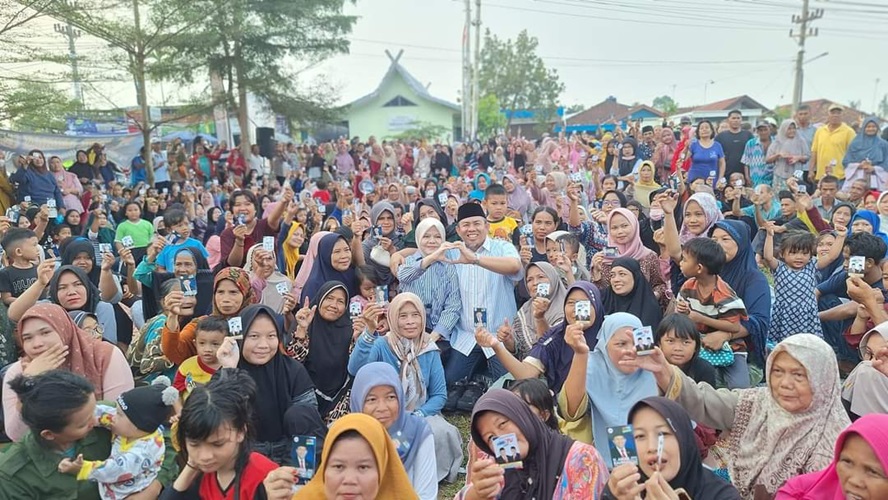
<point>830,144</point>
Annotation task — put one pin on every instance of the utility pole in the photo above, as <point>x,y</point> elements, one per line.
<point>72,34</point>
<point>467,71</point>
<point>807,17</point>
<point>476,69</point>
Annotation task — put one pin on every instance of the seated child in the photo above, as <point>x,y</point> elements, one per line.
<point>197,370</point>
<point>138,448</point>
<point>20,246</point>
<point>678,338</point>
<point>715,309</point>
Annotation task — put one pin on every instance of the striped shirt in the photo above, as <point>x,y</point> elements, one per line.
<point>438,288</point>
<point>479,287</point>
<point>722,304</point>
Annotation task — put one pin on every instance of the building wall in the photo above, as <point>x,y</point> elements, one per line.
<point>372,118</point>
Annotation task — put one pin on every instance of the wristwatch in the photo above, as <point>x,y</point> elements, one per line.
<point>477,260</point>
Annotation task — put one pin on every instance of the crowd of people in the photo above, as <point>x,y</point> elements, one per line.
<point>670,311</point>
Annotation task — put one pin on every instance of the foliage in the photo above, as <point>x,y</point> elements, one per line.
<point>423,131</point>
<point>517,75</point>
<point>490,116</point>
<point>665,104</point>
<point>251,44</point>
<point>883,107</point>
<point>36,107</point>
<point>854,104</point>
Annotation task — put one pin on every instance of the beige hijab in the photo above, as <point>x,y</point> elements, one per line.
<point>769,445</point>
<point>408,351</point>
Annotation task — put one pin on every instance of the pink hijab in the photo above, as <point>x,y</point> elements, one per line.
<point>635,249</point>
<point>824,484</point>
<point>308,261</point>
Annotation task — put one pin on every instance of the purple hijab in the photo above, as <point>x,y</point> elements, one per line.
<point>552,350</point>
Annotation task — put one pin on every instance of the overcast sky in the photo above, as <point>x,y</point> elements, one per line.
<point>632,49</point>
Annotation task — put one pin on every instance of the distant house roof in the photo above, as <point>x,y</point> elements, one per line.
<point>609,111</point>
<point>739,102</point>
<point>820,111</point>
<point>397,69</point>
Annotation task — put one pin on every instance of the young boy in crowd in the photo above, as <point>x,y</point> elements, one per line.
<point>198,369</point>
<point>178,227</point>
<point>138,448</point>
<point>496,204</point>
<point>714,307</point>
<point>23,253</point>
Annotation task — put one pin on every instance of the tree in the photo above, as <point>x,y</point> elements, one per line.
<point>251,43</point>
<point>854,104</point>
<point>490,116</point>
<point>665,104</point>
<point>423,131</point>
<point>38,107</point>
<point>512,71</point>
<point>883,106</point>
<point>136,32</point>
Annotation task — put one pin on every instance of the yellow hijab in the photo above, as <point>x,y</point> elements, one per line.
<point>291,255</point>
<point>393,481</point>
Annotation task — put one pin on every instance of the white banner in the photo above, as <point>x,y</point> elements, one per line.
<point>121,149</point>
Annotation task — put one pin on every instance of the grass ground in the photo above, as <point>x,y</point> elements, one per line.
<point>461,421</point>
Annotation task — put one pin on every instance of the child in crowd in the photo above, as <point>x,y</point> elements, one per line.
<point>23,253</point>
<point>678,338</point>
<point>198,369</point>
<point>138,448</point>
<point>58,233</point>
<point>713,306</point>
<point>795,276</point>
<point>178,227</point>
<point>367,280</point>
<point>495,203</point>
<point>563,251</point>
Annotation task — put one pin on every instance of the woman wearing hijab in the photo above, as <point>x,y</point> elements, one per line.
<point>308,262</point>
<point>681,158</point>
<point>700,213</point>
<point>145,355</point>
<point>858,470</point>
<point>290,241</point>
<point>551,355</point>
<point>865,390</point>
<point>375,384</point>
<point>678,468</point>
<point>630,292</point>
<point>553,465</point>
<point>378,250</point>
<point>628,160</point>
<point>788,153</point>
<point>81,252</point>
<point>543,311</point>
<point>424,209</point>
<point>867,157</point>
<point>554,186</point>
<point>645,184</point>
<point>322,342</point>
<point>776,432</point>
<point>334,263</point>
<point>359,459</point>
<point>600,381</point>
<point>232,293</point>
<point>864,221</point>
<point>623,234</point>
<point>266,280</point>
<point>33,179</point>
<point>188,263</point>
<point>50,340</point>
<point>285,400</point>
<point>663,153</point>
<point>479,184</point>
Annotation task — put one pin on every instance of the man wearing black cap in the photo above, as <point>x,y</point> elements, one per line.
<point>647,145</point>
<point>488,270</point>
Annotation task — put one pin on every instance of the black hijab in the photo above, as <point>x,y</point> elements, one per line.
<point>329,341</point>
<point>92,292</point>
<point>278,382</point>
<point>627,165</point>
<point>699,482</point>
<point>323,271</point>
<point>547,451</point>
<point>151,296</point>
<point>75,246</point>
<point>640,301</point>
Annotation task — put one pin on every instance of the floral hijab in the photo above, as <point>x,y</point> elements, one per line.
<point>241,279</point>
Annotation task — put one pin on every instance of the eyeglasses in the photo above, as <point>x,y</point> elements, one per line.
<point>610,203</point>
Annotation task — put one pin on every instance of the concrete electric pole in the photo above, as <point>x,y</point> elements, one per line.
<point>805,31</point>
<point>467,71</point>
<point>72,34</point>
<point>476,69</point>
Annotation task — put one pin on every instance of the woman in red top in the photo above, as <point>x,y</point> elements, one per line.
<point>215,432</point>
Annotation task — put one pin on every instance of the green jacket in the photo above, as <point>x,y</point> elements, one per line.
<point>30,471</point>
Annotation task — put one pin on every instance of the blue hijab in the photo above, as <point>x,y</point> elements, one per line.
<point>744,276</point>
<point>870,147</point>
<point>613,393</point>
<point>874,221</point>
<point>323,270</point>
<point>552,350</point>
<point>409,431</point>
<point>478,194</point>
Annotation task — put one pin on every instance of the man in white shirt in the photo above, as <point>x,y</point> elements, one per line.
<point>161,167</point>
